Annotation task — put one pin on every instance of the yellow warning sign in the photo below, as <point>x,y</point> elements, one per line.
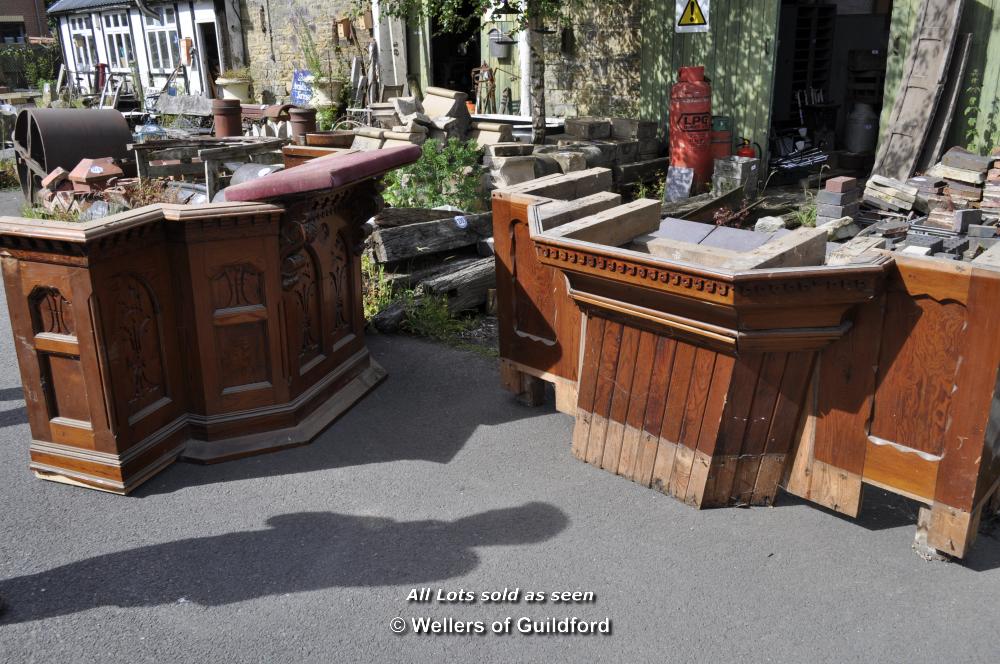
<point>692,15</point>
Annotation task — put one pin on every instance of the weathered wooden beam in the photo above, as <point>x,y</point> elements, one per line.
<point>556,213</point>
<point>614,227</point>
<point>465,287</point>
<point>402,242</point>
<point>568,186</point>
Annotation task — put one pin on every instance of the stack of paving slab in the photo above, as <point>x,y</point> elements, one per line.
<point>627,146</point>
<point>964,174</point>
<point>889,194</point>
<point>441,115</point>
<point>928,188</point>
<point>990,204</point>
<point>838,199</point>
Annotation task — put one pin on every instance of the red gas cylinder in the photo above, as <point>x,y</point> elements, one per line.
<point>691,125</point>
<point>102,75</point>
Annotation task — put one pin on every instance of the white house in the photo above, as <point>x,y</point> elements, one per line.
<point>198,38</point>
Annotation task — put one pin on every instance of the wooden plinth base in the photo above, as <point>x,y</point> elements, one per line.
<point>215,451</point>
<point>528,385</point>
<point>121,474</point>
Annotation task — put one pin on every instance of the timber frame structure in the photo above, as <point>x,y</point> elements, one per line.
<point>718,379</point>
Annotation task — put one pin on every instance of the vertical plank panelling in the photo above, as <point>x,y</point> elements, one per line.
<point>715,404</point>
<point>736,418</point>
<point>620,397</point>
<point>603,391</point>
<point>588,385</point>
<point>655,404</point>
<point>680,380</point>
<point>694,411</point>
<point>761,414</point>
<point>637,405</point>
<point>798,369</point>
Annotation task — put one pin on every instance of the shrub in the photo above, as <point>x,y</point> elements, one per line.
<point>447,174</point>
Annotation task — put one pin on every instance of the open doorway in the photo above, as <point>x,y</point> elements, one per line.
<point>455,54</point>
<point>829,81</point>
<point>211,63</point>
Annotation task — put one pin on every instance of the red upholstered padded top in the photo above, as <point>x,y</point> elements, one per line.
<point>330,172</point>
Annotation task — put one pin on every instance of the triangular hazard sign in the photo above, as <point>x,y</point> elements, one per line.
<point>692,15</point>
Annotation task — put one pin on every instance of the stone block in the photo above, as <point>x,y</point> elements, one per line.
<point>836,198</point>
<point>589,128</point>
<point>510,149</point>
<point>512,170</point>
<point>545,164</point>
<point>841,184</point>
<point>837,211</point>
<point>769,224</point>
<point>569,160</point>
<point>630,128</point>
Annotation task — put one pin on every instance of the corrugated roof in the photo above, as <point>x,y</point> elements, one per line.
<point>66,6</point>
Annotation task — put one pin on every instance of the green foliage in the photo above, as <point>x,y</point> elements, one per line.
<point>429,317</point>
<point>29,65</point>
<point>982,132</point>
<point>654,190</point>
<point>806,215</point>
<point>462,15</point>
<point>8,174</point>
<point>446,174</point>
<point>30,212</point>
<point>325,117</point>
<point>321,63</point>
<point>376,291</point>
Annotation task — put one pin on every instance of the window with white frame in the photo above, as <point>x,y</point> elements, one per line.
<point>161,37</point>
<point>116,31</point>
<point>81,34</point>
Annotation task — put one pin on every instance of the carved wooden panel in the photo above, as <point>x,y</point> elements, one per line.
<point>341,288</point>
<point>300,279</point>
<point>51,312</point>
<point>136,333</point>
<point>239,317</point>
<point>237,285</point>
<point>242,365</point>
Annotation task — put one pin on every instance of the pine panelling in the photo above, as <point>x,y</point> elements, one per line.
<point>686,420</point>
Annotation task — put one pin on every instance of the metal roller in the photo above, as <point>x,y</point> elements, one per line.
<point>47,138</point>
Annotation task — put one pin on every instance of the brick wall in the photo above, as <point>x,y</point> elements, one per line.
<point>33,11</point>
<point>274,48</point>
<point>601,76</point>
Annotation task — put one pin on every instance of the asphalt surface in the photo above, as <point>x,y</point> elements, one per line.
<point>438,479</point>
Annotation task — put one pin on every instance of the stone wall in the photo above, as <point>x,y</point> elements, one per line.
<point>601,75</point>
<point>273,36</point>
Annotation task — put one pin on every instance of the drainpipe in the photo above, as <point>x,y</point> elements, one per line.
<point>42,28</point>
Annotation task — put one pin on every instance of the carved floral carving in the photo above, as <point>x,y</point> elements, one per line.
<point>51,312</point>
<point>137,334</point>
